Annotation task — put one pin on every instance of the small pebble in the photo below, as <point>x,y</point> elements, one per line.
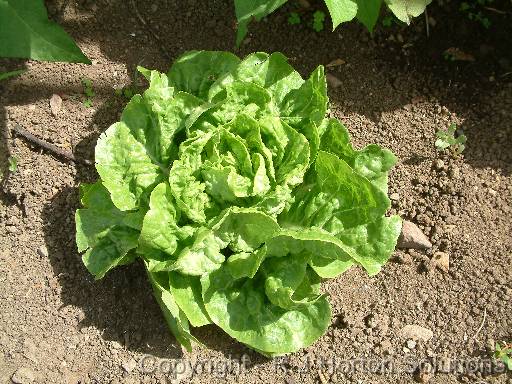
<point>454,172</point>
<point>441,260</point>
<point>12,229</point>
<point>129,365</point>
<point>411,344</point>
<point>394,196</point>
<point>413,237</point>
<point>42,251</point>
<point>23,375</point>
<point>416,332</point>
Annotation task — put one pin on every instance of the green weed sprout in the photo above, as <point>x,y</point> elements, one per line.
<point>318,21</point>
<point>13,164</point>
<point>447,139</point>
<point>88,92</point>
<point>504,353</point>
<point>294,18</point>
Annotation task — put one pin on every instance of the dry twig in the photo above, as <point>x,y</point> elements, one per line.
<point>63,154</point>
<point>496,10</point>
<point>481,325</point>
<point>427,26</point>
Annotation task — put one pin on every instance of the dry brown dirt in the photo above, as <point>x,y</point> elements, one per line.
<point>58,325</point>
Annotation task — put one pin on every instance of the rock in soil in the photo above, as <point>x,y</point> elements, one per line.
<point>411,344</point>
<point>42,251</point>
<point>412,237</point>
<point>23,375</point>
<point>129,365</point>
<point>423,377</point>
<point>386,347</point>
<point>55,104</point>
<point>439,164</point>
<point>416,332</point>
<point>441,260</point>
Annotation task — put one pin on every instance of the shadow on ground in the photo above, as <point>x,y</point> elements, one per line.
<point>120,305</point>
<point>6,197</point>
<point>379,76</point>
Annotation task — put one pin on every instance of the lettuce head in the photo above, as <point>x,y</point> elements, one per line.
<point>239,195</point>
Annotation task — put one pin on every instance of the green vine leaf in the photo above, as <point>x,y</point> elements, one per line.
<point>341,11</point>
<point>27,33</point>
<point>405,10</point>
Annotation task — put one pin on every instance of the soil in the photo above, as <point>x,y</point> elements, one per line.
<point>58,325</point>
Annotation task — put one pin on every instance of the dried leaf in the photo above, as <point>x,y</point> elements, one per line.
<point>457,54</point>
<point>336,63</point>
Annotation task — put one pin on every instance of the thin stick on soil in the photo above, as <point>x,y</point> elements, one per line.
<point>150,30</point>
<point>58,152</point>
<point>481,325</point>
<point>427,27</point>
<point>496,10</point>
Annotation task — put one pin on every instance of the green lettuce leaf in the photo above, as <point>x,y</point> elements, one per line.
<point>289,283</point>
<point>105,233</point>
<point>186,290</point>
<point>160,230</point>
<point>325,253</point>
<point>372,162</point>
<point>126,168</point>
<point>270,72</point>
<point>373,243</point>
<point>235,230</point>
<point>241,309</point>
<point>195,71</point>
<point>334,197</point>
<point>246,264</point>
<point>309,102</point>
<point>174,316</point>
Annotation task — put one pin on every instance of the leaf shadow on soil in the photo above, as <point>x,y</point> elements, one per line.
<point>121,305</point>
<point>379,75</point>
<point>6,196</point>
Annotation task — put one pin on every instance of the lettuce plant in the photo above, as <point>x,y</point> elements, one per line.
<point>226,178</point>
